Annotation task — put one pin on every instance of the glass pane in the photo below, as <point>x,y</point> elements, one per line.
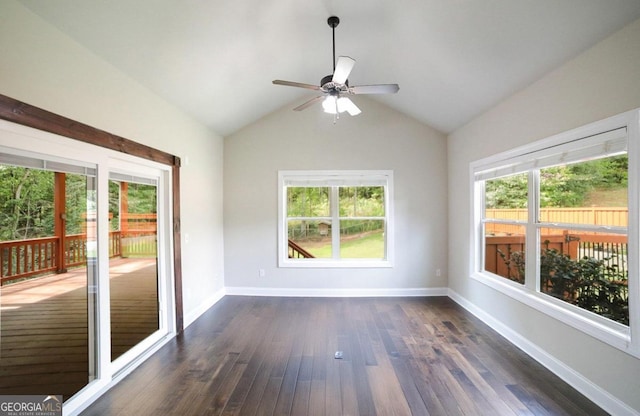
<point>591,192</point>
<point>133,269</point>
<point>506,197</point>
<point>362,239</point>
<point>309,239</point>
<point>361,201</point>
<point>48,276</point>
<point>307,202</point>
<point>504,248</point>
<point>114,206</point>
<point>586,269</point>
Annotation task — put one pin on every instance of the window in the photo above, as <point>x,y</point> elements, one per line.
<point>335,218</point>
<point>504,216</point>
<point>552,227</point>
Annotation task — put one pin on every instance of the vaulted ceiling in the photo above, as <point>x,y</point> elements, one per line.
<point>453,59</point>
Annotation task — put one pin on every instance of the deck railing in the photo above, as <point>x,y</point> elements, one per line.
<point>610,248</point>
<point>24,258</point>
<point>37,256</point>
<point>295,251</point>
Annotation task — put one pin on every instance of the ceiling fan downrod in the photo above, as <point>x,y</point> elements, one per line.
<point>334,21</point>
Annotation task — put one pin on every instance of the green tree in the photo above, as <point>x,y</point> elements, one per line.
<point>361,201</point>
<point>564,186</point>
<point>307,201</point>
<point>76,203</point>
<point>26,203</point>
<point>507,192</point>
<point>560,186</point>
<point>142,199</point>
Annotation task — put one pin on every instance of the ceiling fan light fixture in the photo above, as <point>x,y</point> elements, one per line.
<point>336,105</point>
<point>329,105</point>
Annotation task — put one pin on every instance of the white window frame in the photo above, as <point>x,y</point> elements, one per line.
<point>530,158</point>
<point>333,179</point>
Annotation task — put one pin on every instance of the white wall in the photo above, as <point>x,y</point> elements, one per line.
<point>379,138</point>
<point>43,67</point>
<point>601,82</point>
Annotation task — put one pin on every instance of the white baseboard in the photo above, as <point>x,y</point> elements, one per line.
<point>335,292</point>
<point>284,292</point>
<point>203,307</point>
<point>595,393</point>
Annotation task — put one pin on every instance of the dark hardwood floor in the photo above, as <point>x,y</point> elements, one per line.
<point>401,356</point>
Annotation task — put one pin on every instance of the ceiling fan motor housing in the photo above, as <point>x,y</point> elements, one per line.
<point>329,80</point>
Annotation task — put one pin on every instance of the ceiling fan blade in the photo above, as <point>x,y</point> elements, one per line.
<point>345,104</point>
<point>296,84</point>
<point>343,69</point>
<point>309,103</point>
<point>375,89</point>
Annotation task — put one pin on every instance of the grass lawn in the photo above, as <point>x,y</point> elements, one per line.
<point>607,198</point>
<point>362,246</point>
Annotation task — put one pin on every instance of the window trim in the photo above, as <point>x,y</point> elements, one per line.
<point>624,338</point>
<point>334,177</point>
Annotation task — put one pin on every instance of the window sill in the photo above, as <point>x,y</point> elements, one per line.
<point>331,264</point>
<point>605,330</point>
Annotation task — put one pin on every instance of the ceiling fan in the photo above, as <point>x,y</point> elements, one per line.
<point>334,88</point>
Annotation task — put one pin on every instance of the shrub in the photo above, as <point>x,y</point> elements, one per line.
<point>588,283</point>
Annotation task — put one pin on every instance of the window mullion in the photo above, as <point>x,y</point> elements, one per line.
<point>479,208</point>
<point>335,222</point>
<point>532,238</point>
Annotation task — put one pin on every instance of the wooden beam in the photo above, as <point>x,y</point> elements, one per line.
<point>28,115</point>
<point>60,218</point>
<point>124,208</point>
<point>177,246</point>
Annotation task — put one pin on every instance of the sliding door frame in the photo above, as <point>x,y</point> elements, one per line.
<point>27,115</point>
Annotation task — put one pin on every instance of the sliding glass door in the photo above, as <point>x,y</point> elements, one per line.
<point>85,265</point>
<point>133,266</point>
<point>48,242</point>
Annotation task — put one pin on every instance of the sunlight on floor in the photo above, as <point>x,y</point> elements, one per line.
<point>43,288</point>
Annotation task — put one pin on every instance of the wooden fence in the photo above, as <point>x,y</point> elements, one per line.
<point>616,217</point>
<point>610,248</point>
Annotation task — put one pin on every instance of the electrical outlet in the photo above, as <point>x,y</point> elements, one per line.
<point>261,273</point>
<point>438,273</point>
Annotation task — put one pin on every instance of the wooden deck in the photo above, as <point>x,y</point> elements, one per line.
<point>401,356</point>
<point>43,326</point>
